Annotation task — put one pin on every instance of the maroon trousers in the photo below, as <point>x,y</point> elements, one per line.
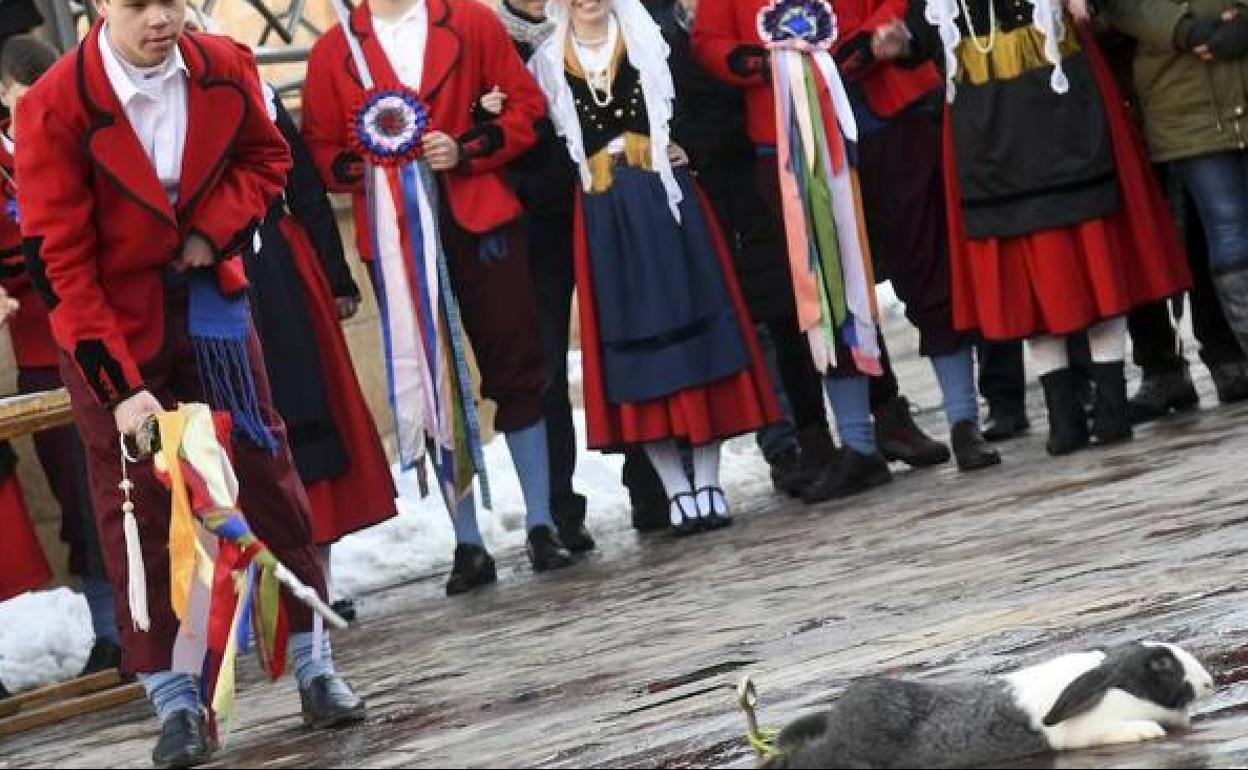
<point>271,495</point>
<point>499,310</point>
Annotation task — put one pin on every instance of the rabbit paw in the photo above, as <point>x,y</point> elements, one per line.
<point>1135,731</point>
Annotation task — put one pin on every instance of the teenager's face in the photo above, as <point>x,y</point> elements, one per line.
<point>534,8</point>
<point>143,32</point>
<point>590,11</point>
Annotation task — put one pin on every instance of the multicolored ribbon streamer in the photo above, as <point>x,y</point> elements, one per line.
<point>430,387</point>
<point>825,228</point>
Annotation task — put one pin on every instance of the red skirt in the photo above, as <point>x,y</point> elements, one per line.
<point>22,563</point>
<point>741,403</point>
<point>363,495</point>
<point>1065,280</point>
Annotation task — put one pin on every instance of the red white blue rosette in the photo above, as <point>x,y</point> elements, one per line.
<point>387,127</point>
<point>802,25</point>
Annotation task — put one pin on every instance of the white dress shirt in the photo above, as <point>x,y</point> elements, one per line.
<point>155,103</point>
<point>403,40</point>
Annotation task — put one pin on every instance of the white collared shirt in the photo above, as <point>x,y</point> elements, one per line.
<point>403,40</point>
<point>6,142</point>
<point>155,102</point>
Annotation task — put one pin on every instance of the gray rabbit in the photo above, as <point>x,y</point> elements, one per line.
<point>1123,694</point>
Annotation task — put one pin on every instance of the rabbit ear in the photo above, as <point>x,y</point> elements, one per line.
<point>1080,696</point>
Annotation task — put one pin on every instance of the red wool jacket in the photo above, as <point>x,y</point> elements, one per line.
<point>32,338</point>
<point>467,53</point>
<point>97,229</point>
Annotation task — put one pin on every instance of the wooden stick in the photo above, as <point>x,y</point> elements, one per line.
<point>33,412</point>
<point>60,691</point>
<point>51,713</point>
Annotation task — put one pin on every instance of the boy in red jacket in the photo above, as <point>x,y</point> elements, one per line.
<point>146,162</point>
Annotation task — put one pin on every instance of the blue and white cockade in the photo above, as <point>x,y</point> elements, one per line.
<point>426,346</point>
<point>389,125</point>
<point>798,23</point>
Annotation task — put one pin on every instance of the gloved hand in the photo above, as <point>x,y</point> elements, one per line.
<point>1230,41</point>
<point>1195,33</point>
<point>747,61</point>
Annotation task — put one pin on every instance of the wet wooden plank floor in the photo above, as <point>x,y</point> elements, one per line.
<point>628,659</point>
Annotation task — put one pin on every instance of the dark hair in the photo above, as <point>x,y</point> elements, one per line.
<point>24,59</point>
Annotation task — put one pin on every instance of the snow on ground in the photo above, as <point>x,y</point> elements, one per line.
<point>45,635</point>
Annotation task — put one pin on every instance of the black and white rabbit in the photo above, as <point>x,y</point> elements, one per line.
<point>1123,694</point>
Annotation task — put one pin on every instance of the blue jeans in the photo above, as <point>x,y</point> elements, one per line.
<point>1218,183</point>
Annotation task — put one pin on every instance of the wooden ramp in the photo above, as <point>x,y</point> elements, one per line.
<point>57,702</point>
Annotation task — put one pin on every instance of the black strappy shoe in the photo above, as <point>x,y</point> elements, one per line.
<point>690,523</point>
<point>713,518</point>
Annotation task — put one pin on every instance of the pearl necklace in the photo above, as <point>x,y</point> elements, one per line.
<point>992,27</point>
<point>598,80</point>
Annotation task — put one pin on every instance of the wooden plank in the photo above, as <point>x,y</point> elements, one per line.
<point>62,690</point>
<point>57,711</point>
<point>33,412</point>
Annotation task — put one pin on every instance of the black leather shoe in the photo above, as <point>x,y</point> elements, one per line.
<point>1110,420</point>
<point>1068,422</point>
<point>546,551</point>
<point>329,702</point>
<point>1231,381</point>
<point>103,656</point>
<point>569,516</point>
<point>901,439</point>
<point>787,474</point>
<point>1005,423</point>
<point>645,492</point>
<point>183,741</point>
<point>345,609</point>
<point>473,568</point>
<point>684,506</point>
<point>851,474</point>
<point>716,507</point>
<point>1162,393</point>
<point>970,449</point>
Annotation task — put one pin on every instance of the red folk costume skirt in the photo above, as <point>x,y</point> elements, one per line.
<point>364,494</point>
<point>1064,280</point>
<point>740,401</point>
<point>22,563</point>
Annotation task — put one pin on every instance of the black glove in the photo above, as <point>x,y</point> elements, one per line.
<point>348,168</point>
<point>1230,42</point>
<point>854,58</point>
<point>1193,33</point>
<point>747,61</point>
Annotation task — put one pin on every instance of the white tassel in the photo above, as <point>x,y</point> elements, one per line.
<point>136,573</point>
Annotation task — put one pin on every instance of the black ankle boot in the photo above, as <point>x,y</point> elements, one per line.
<point>1230,379</point>
<point>970,448</point>
<point>569,516</point>
<point>183,741</point>
<point>103,656</point>
<point>1005,422</point>
<point>1068,422</point>
<point>345,607</point>
<point>901,439</point>
<point>850,474</point>
<point>546,551</point>
<point>1161,393</point>
<point>473,568</point>
<point>1111,423</point>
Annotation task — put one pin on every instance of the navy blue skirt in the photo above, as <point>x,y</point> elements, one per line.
<point>665,319</point>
